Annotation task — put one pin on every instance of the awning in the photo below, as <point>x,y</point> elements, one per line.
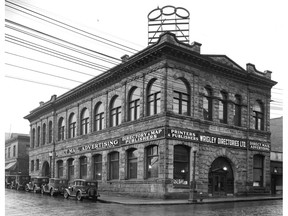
<point>10,166</point>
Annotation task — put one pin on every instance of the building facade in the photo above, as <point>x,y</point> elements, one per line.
<point>138,127</point>
<point>276,155</point>
<point>16,154</point>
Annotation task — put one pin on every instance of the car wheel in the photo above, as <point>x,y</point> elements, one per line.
<point>52,192</point>
<point>66,195</point>
<point>26,188</point>
<point>79,197</point>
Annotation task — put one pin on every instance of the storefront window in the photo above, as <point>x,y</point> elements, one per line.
<point>83,167</point>
<point>32,165</point>
<point>72,125</point>
<point>114,165</point>
<point>181,165</point>
<point>97,167</point>
<point>115,111</point>
<point>37,164</point>
<point>99,117</point>
<point>153,98</point>
<point>134,104</point>
<point>258,170</point>
<point>207,104</point>
<point>84,121</point>
<point>181,97</point>
<point>60,168</point>
<point>132,163</point>
<point>152,161</point>
<point>70,168</point>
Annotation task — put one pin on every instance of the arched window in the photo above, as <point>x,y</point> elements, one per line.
<point>113,165</point>
<point>97,174</point>
<point>237,110</point>
<point>258,161</point>
<point>72,126</point>
<point>84,121</point>
<point>50,132</point>
<point>153,98</point>
<point>115,111</point>
<point>181,97</point>
<point>181,165</point>
<point>99,117</point>
<point>60,168</point>
<point>134,104</point>
<point>70,168</point>
<point>33,137</point>
<point>44,134</point>
<point>38,136</point>
<point>61,127</point>
<point>83,167</point>
<point>223,105</point>
<point>258,116</point>
<point>207,103</point>
<point>152,161</point>
<point>132,157</point>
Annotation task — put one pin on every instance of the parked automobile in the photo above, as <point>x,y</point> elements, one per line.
<point>81,188</point>
<point>20,182</point>
<point>55,186</point>
<point>9,179</point>
<point>36,183</point>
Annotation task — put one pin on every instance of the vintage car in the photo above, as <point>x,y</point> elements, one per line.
<point>20,182</point>
<point>55,186</point>
<point>81,188</point>
<point>9,179</point>
<point>36,183</point>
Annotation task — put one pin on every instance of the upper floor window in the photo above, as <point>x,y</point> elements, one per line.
<point>258,116</point>
<point>207,103</point>
<point>44,134</point>
<point>115,111</point>
<point>134,104</point>
<point>99,117</point>
<point>153,97</point>
<point>9,149</point>
<point>61,129</point>
<point>14,151</point>
<point>84,121</point>
<point>50,132</point>
<point>72,126</point>
<point>152,161</point>
<point>38,136</point>
<point>223,107</point>
<point>237,110</point>
<point>33,137</point>
<point>132,156</point>
<point>181,97</point>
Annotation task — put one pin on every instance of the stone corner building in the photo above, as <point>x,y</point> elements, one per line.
<point>137,127</point>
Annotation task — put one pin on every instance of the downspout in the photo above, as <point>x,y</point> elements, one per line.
<point>247,138</point>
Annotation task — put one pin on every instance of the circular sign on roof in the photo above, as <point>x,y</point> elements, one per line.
<point>168,11</point>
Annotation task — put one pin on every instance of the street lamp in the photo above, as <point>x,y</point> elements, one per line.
<point>192,197</point>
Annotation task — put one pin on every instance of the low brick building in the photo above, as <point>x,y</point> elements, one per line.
<point>16,154</point>
<point>138,127</point>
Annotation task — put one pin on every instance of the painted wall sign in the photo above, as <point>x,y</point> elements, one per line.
<point>181,134</point>
<point>143,136</point>
<point>254,145</point>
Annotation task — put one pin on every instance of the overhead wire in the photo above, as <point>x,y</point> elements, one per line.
<point>72,27</point>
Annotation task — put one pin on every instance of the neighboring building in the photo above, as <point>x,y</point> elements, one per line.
<point>276,155</point>
<point>136,127</point>
<point>16,153</point>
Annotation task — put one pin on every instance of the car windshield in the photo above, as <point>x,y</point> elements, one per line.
<point>91,183</point>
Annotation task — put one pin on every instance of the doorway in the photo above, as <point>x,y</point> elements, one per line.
<point>221,180</point>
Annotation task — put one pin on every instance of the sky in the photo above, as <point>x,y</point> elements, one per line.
<point>246,31</point>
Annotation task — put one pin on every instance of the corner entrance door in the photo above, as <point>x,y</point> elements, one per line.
<point>219,184</point>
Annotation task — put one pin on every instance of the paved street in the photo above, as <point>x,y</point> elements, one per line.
<point>22,203</point>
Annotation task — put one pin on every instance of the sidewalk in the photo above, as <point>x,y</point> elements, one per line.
<point>126,200</point>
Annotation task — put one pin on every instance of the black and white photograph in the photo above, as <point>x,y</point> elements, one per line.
<point>144,108</point>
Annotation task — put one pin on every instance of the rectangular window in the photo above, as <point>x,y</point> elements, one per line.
<point>98,167</point>
<point>83,167</point>
<point>114,165</point>
<point>152,162</point>
<point>60,169</point>
<point>14,151</point>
